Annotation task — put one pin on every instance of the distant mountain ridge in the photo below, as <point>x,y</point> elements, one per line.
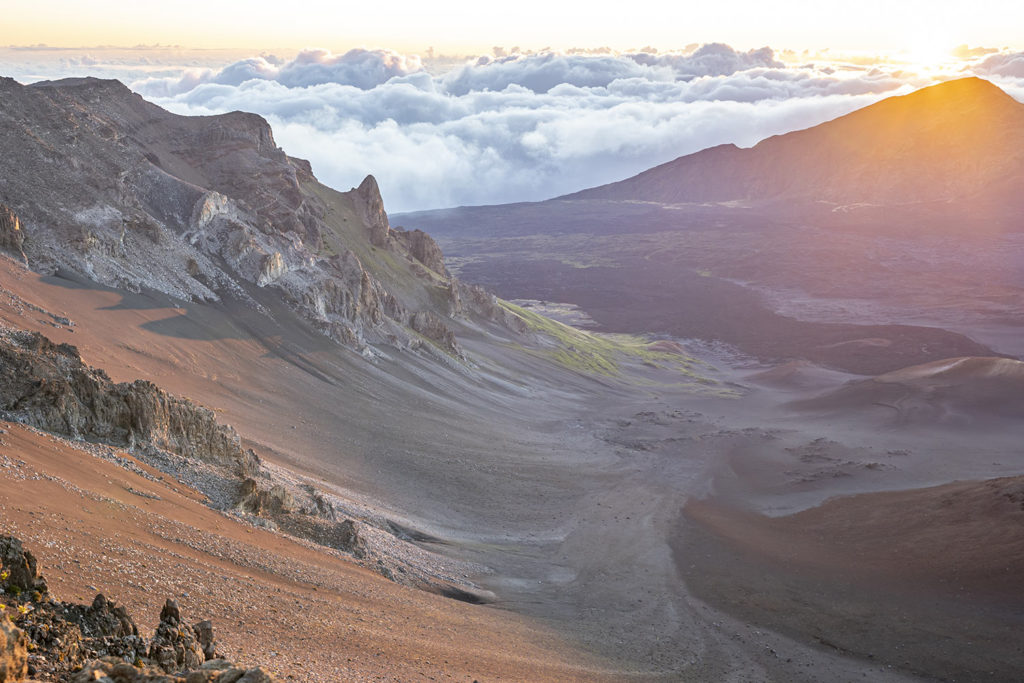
<point>949,141</point>
<point>97,181</point>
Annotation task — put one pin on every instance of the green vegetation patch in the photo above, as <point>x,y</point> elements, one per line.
<point>602,354</point>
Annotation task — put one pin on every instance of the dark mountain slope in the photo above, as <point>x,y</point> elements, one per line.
<point>847,244</point>
<point>948,141</point>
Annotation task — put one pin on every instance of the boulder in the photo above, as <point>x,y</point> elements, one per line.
<point>18,568</point>
<point>13,652</point>
<point>204,634</point>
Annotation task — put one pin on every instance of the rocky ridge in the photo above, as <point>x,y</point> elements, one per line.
<point>51,640</point>
<point>97,181</point>
<point>48,387</point>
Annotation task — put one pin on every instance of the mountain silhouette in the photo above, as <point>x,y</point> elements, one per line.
<point>945,142</point>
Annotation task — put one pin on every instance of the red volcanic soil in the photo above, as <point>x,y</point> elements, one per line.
<point>296,608</point>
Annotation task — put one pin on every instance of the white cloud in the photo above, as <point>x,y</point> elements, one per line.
<point>361,68</point>
<point>1005,64</point>
<point>520,126</point>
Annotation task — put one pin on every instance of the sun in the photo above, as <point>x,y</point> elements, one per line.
<point>929,52</point>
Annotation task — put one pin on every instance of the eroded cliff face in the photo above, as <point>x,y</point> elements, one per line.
<point>47,386</point>
<point>371,209</point>
<point>101,182</point>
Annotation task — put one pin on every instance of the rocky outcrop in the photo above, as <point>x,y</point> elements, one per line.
<point>343,535</point>
<point>13,652</point>
<point>18,572</point>
<point>74,633</point>
<point>475,300</point>
<point>434,329</point>
<point>315,519</point>
<point>103,619</point>
<point>272,269</point>
<point>48,386</point>
<point>56,641</point>
<point>421,247</point>
<point>371,207</point>
<point>200,208</point>
<point>12,236</point>
<point>60,641</point>
<point>256,500</point>
<point>175,647</point>
<point>214,671</point>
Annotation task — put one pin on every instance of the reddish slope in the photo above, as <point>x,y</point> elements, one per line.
<point>94,524</point>
<point>300,610</point>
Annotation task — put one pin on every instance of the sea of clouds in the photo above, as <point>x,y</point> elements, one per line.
<point>523,127</point>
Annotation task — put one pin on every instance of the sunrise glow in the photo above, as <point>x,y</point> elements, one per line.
<point>464,26</point>
<point>532,340</point>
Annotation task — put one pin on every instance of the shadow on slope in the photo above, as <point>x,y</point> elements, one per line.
<point>928,580</point>
<point>957,392</point>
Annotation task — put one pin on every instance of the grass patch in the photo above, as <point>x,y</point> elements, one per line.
<point>600,354</point>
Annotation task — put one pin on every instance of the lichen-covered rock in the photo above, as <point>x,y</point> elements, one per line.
<point>216,671</point>
<point>103,618</point>
<point>174,646</point>
<point>12,235</point>
<point>19,570</point>
<point>57,641</point>
<point>13,652</point>
<point>63,636</point>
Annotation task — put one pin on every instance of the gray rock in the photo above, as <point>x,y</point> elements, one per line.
<point>20,566</point>
<point>204,634</point>
<point>371,206</point>
<point>175,647</point>
<point>48,386</point>
<point>200,208</point>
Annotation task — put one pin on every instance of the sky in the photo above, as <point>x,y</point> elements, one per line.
<point>451,103</point>
<point>465,26</point>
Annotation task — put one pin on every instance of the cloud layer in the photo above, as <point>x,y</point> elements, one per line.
<point>530,126</point>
